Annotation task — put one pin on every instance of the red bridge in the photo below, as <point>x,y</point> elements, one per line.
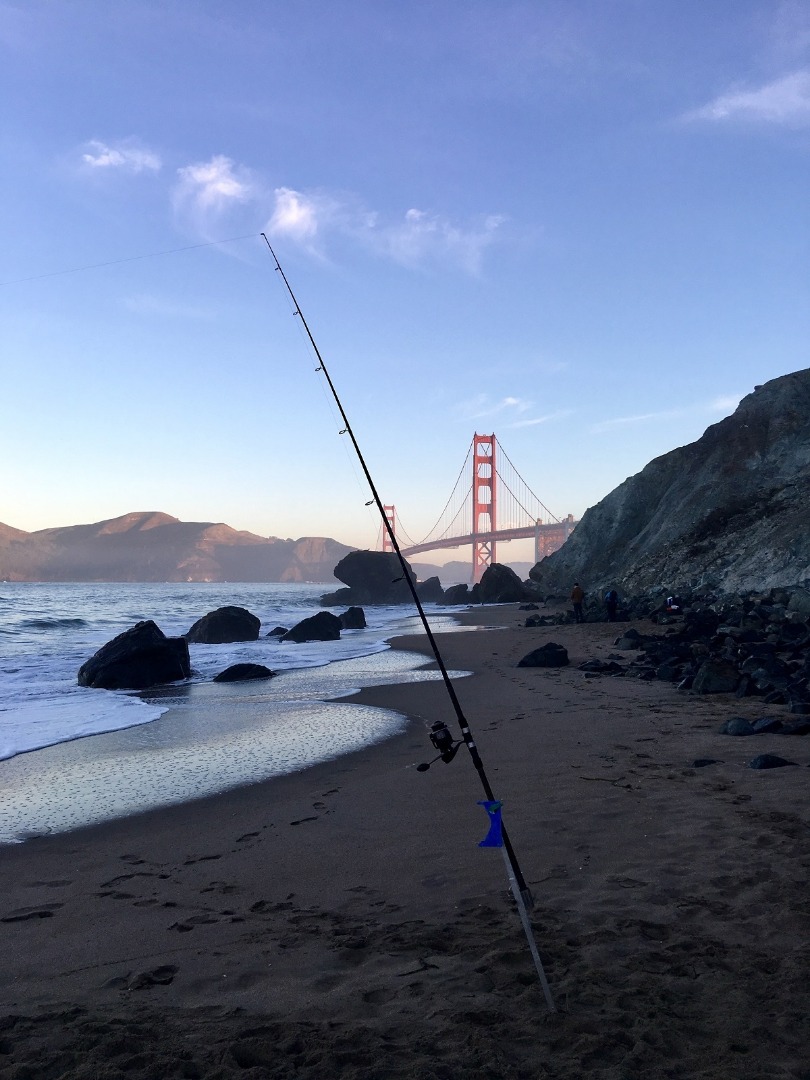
<point>490,502</point>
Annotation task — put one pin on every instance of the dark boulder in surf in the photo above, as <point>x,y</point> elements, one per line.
<point>224,625</point>
<point>139,658</point>
<point>430,591</point>
<point>244,673</point>
<point>372,577</point>
<point>353,618</point>
<point>457,594</point>
<point>321,627</point>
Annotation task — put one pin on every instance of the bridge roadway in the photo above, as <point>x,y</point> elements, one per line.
<point>547,538</point>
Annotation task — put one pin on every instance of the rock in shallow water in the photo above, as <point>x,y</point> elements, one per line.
<point>224,625</point>
<point>321,627</point>
<point>139,658</point>
<point>244,672</point>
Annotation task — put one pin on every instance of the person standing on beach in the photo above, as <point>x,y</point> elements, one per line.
<point>611,603</point>
<point>578,599</point>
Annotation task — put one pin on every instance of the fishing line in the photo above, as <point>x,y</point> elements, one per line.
<point>441,738</point>
<point>130,258</point>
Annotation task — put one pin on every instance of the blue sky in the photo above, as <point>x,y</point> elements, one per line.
<point>580,224</point>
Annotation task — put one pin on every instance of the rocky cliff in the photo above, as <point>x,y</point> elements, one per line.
<point>730,512</point>
<point>156,547</point>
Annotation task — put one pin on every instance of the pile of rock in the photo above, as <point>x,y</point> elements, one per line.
<point>756,645</point>
<point>499,584</point>
<point>377,577</point>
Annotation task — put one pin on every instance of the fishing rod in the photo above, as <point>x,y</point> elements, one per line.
<point>439,735</point>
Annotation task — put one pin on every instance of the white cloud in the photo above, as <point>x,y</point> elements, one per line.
<point>784,101</point>
<point>418,238</point>
<point>213,185</point>
<point>482,406</point>
<point>127,156</point>
<point>307,218</point>
<point>295,215</point>
<point>423,238</point>
<point>558,415</point>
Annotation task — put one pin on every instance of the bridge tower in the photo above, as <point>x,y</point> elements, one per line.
<point>484,503</point>
<point>391,518</point>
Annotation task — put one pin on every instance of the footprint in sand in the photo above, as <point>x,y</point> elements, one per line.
<point>24,914</point>
<point>159,976</point>
<point>129,877</point>
<point>263,906</point>
<point>300,821</point>
<point>379,997</point>
<point>195,920</point>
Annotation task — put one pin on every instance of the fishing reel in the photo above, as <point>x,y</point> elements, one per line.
<point>444,742</point>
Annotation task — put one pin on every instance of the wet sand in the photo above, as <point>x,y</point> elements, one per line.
<point>343,922</point>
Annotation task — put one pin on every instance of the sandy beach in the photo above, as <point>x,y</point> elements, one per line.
<point>342,922</point>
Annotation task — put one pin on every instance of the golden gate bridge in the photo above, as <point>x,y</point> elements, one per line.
<point>490,501</point>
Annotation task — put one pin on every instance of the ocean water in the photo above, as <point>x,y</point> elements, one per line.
<point>71,756</point>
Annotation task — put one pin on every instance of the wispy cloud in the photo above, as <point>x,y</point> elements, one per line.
<point>127,156</point>
<point>207,190</point>
<point>482,406</point>
<point>558,415</point>
<point>146,304</point>
<point>422,237</point>
<point>308,218</point>
<point>638,418</point>
<point>790,32</point>
<point>784,101</point>
<point>419,238</point>
<point>724,405</point>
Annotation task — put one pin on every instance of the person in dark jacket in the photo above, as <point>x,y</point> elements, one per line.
<point>611,604</point>
<point>578,599</point>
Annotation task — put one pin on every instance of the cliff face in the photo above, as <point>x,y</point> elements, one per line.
<point>729,512</point>
<point>157,547</point>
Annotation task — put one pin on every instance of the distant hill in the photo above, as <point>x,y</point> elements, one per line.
<point>728,512</point>
<point>153,546</point>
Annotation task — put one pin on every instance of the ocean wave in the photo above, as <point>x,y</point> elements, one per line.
<point>51,624</point>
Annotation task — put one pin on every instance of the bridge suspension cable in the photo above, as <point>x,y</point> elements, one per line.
<point>518,498</point>
<point>459,508</point>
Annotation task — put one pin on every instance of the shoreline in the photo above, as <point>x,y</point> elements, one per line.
<point>342,920</point>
